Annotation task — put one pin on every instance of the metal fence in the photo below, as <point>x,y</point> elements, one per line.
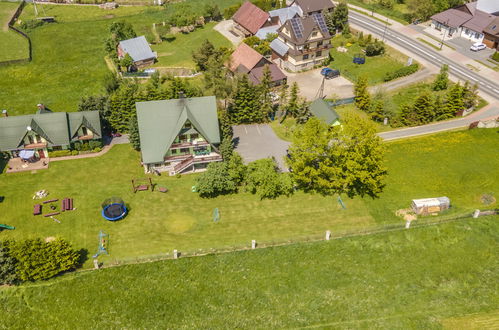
<point>24,35</point>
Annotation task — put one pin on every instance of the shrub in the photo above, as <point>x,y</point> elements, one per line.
<point>402,72</point>
<point>39,260</point>
<point>31,24</point>
<point>59,153</point>
<point>97,149</point>
<point>215,181</point>
<point>375,48</point>
<point>92,144</point>
<point>264,179</point>
<point>74,152</point>
<point>8,274</point>
<point>495,57</point>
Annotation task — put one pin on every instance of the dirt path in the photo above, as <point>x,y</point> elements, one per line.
<point>9,14</point>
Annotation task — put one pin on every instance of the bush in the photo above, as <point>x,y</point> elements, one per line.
<point>375,48</point>
<point>39,260</point>
<point>92,144</point>
<point>495,57</point>
<point>8,274</point>
<point>264,179</point>
<point>59,153</point>
<point>97,149</point>
<point>31,24</point>
<point>215,181</point>
<point>74,152</point>
<point>402,72</point>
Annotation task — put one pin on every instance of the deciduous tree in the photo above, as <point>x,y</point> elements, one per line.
<point>215,181</point>
<point>264,178</point>
<point>362,96</point>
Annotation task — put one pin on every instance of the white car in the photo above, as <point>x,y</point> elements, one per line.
<point>477,46</point>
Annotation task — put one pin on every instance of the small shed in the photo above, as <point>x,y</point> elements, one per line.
<point>430,205</point>
<point>322,110</point>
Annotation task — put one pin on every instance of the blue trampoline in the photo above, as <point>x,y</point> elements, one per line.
<point>114,209</point>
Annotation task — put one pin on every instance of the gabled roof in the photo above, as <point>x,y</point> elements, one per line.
<point>308,24</point>
<point>250,17</point>
<point>320,109</point>
<point>286,13</point>
<point>262,33</point>
<point>452,17</point>
<point>493,28</point>
<point>479,21</point>
<point>309,6</point>
<point>246,56</point>
<point>89,119</point>
<point>138,48</point>
<point>256,74</point>
<point>279,47</point>
<point>161,121</point>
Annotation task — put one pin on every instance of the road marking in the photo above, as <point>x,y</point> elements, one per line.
<point>245,129</point>
<point>258,129</point>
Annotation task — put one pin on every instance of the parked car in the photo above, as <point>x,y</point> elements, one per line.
<point>330,73</point>
<point>477,47</point>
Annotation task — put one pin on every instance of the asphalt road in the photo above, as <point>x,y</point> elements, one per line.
<point>485,85</point>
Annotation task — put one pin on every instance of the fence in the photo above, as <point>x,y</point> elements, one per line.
<point>24,35</point>
<point>320,236</point>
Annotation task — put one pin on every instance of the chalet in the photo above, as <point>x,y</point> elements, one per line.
<point>309,7</point>
<point>180,135</point>
<point>33,136</point>
<point>248,61</point>
<point>248,19</point>
<point>467,21</point>
<point>302,43</point>
<point>139,50</point>
<point>321,109</point>
<point>491,34</point>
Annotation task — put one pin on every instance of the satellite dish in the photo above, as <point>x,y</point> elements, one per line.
<point>28,128</point>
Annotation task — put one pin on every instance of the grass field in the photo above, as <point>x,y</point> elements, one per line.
<point>375,68</point>
<point>13,46</point>
<point>424,278</point>
<point>158,223</point>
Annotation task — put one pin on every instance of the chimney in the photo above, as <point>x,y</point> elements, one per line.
<point>40,106</point>
<point>4,113</point>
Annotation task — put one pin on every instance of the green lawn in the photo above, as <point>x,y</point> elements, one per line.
<point>178,53</point>
<point>158,223</point>
<point>423,278</point>
<point>375,68</point>
<point>399,12</point>
<point>14,46</point>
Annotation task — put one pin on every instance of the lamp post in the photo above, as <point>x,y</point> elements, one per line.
<point>443,36</point>
<point>384,31</point>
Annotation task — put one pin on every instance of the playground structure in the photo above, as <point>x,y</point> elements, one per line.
<point>142,184</point>
<point>103,244</point>
<point>113,209</point>
<point>216,215</point>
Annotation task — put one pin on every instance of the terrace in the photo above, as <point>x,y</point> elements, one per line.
<point>19,165</point>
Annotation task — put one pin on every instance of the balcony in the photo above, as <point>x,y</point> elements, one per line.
<point>85,137</point>
<point>37,145</point>
<point>187,144</point>
<point>309,50</point>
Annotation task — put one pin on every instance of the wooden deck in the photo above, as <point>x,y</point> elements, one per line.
<point>17,165</point>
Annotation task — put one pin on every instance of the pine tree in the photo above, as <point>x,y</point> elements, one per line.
<point>293,104</point>
<point>203,54</point>
<point>339,17</point>
<point>455,101</point>
<point>470,95</point>
<point>153,88</point>
<point>133,131</point>
<point>442,80</point>
<point>304,113</point>
<point>265,88</point>
<point>122,106</point>
<point>362,97</point>
<point>245,107</point>
<point>439,108</point>
<point>424,108</point>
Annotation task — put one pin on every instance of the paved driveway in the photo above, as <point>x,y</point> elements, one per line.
<point>310,82</point>
<point>225,27</point>
<point>259,141</point>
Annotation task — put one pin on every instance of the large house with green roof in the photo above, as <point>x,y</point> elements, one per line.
<point>180,135</point>
<point>321,109</point>
<point>37,134</point>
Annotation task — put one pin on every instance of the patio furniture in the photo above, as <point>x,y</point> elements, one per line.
<point>37,209</point>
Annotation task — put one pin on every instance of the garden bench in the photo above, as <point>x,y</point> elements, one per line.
<point>51,214</point>
<point>51,201</point>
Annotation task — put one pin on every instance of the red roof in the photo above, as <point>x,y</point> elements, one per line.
<point>246,56</point>
<point>256,74</point>
<point>250,17</point>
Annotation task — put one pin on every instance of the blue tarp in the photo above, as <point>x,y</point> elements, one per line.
<point>26,154</point>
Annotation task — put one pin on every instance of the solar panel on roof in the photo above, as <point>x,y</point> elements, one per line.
<point>297,27</point>
<point>319,19</point>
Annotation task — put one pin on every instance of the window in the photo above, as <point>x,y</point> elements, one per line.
<point>184,150</point>
<point>305,57</point>
<point>319,53</point>
<point>183,138</point>
<point>314,34</point>
<point>194,136</point>
<point>84,130</point>
<point>319,43</point>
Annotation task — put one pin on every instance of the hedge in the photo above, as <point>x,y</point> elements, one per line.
<point>59,153</point>
<point>495,57</point>
<point>402,72</point>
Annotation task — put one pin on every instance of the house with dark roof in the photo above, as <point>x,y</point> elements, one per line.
<point>321,109</point>
<point>139,50</point>
<point>248,61</point>
<point>491,34</point>
<point>47,131</point>
<point>248,19</point>
<point>309,7</point>
<point>467,21</point>
<point>180,135</point>
<point>302,43</point>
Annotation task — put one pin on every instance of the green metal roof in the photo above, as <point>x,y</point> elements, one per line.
<point>89,119</point>
<point>161,121</point>
<point>322,110</point>
<point>53,126</point>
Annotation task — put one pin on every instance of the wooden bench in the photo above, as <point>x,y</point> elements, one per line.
<point>67,204</point>
<point>142,187</point>
<point>162,189</point>
<point>37,209</point>
<point>51,214</point>
<point>51,201</point>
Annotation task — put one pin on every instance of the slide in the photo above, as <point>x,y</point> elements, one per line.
<point>7,227</point>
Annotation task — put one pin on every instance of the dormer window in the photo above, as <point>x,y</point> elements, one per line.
<point>314,34</point>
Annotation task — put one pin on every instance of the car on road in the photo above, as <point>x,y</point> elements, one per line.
<point>477,47</point>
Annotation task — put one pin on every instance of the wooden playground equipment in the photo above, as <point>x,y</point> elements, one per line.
<point>142,184</point>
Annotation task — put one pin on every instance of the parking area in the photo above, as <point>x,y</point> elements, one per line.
<point>310,82</point>
<point>255,142</point>
<point>225,28</point>
<point>463,46</point>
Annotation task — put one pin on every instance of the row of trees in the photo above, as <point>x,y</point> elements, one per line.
<point>34,259</point>
<point>337,20</point>
<point>426,107</point>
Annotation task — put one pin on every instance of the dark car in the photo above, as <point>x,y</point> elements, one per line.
<point>330,73</point>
